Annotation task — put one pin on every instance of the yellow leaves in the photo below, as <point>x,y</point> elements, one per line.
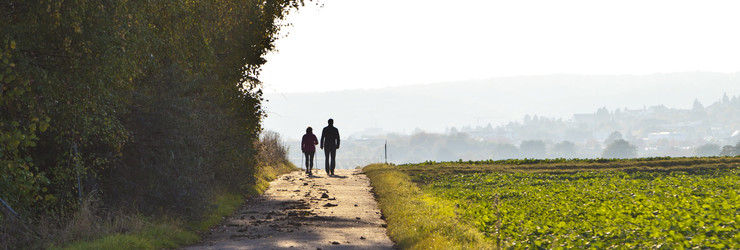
<point>12,44</point>
<point>67,44</point>
<point>13,144</point>
<point>77,28</point>
<point>43,126</point>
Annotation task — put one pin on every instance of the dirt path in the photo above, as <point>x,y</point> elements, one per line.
<point>300,212</point>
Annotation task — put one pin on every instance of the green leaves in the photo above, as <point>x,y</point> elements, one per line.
<point>600,209</point>
<point>88,73</point>
<point>21,182</point>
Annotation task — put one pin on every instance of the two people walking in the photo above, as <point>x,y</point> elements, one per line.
<point>329,143</point>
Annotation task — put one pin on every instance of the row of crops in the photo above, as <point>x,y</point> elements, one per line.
<point>669,209</point>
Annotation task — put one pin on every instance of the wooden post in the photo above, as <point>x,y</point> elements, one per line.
<point>385,149</point>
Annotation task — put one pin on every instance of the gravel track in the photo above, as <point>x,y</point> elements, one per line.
<point>301,212</point>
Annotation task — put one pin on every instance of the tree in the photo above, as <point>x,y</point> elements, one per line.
<point>620,149</point>
<point>698,111</point>
<point>505,151</point>
<point>709,149</point>
<point>614,136</point>
<point>565,149</point>
<point>697,105</point>
<point>532,149</point>
<point>730,150</point>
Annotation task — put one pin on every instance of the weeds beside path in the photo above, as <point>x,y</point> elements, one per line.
<point>417,220</point>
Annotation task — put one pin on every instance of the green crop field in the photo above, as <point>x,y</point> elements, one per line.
<point>577,204</point>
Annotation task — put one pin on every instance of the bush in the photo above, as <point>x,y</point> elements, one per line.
<point>272,150</point>
<point>620,149</point>
<point>709,149</point>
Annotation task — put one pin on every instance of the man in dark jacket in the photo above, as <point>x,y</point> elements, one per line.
<point>330,144</point>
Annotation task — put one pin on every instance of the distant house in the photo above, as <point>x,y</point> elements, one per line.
<point>668,136</point>
<point>584,118</point>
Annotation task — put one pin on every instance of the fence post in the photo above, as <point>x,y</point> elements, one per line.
<point>385,149</point>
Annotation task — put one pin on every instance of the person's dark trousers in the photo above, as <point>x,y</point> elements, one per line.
<point>309,160</point>
<point>330,156</point>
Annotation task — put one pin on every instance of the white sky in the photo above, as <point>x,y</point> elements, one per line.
<point>350,44</point>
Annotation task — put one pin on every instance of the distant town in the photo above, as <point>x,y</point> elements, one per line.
<point>703,130</point>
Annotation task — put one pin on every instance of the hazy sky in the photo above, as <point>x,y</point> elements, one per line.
<point>351,44</point>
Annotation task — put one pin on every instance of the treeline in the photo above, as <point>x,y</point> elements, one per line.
<point>454,146</point>
<point>422,146</point>
<point>153,105</point>
<point>623,133</point>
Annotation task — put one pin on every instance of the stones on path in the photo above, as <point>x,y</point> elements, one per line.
<point>304,213</point>
<point>330,205</point>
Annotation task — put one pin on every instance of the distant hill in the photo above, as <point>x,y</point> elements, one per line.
<point>438,106</point>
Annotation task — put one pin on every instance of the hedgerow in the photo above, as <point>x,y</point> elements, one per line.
<point>154,105</point>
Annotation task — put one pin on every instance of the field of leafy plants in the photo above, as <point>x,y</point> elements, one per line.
<point>678,208</point>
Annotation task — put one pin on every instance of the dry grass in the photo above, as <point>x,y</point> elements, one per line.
<point>92,227</point>
<point>91,224</point>
<point>417,220</point>
<point>273,161</point>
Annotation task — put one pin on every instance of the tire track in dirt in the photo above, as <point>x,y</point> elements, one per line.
<point>301,212</point>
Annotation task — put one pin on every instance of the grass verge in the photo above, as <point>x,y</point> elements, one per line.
<point>417,220</point>
<point>267,174</point>
<point>167,233</point>
<point>154,236</point>
<point>224,205</point>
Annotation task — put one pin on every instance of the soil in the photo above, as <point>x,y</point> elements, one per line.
<point>302,212</point>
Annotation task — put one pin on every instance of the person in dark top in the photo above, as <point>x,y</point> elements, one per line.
<point>308,147</point>
<point>330,144</point>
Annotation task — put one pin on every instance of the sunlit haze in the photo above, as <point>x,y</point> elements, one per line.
<point>371,44</point>
<point>383,68</point>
